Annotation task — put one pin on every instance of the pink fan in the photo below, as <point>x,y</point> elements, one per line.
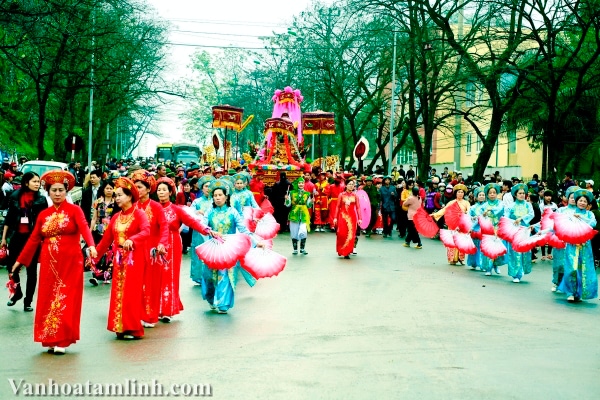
<point>523,241</point>
<point>476,235</point>
<point>266,206</point>
<point>447,237</point>
<point>492,246</point>
<point>452,215</point>
<point>571,229</point>
<point>465,224</point>
<point>224,253</point>
<point>507,229</point>
<point>267,242</point>
<point>464,243</point>
<point>267,227</point>
<point>547,221</point>
<point>487,228</point>
<point>425,224</point>
<point>555,242</point>
<point>263,263</point>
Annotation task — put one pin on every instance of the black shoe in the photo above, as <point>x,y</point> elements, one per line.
<point>13,300</point>
<point>27,308</point>
<point>347,257</point>
<point>94,281</point>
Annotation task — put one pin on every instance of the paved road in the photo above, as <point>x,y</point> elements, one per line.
<point>391,323</point>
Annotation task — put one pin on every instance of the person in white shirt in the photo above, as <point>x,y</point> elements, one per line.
<point>507,197</point>
<point>7,187</point>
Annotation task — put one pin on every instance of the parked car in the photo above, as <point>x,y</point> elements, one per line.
<point>41,167</point>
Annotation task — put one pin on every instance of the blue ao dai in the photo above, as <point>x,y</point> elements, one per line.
<point>243,198</point>
<point>519,263</point>
<point>218,286</point>
<point>201,205</point>
<point>494,211</point>
<point>580,279</point>
<point>474,260</point>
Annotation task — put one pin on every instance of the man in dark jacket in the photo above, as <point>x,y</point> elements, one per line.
<point>20,219</point>
<point>91,194</point>
<point>277,198</point>
<point>374,198</point>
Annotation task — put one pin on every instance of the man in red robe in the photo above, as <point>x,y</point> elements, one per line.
<point>321,201</point>
<point>333,194</point>
<point>257,187</point>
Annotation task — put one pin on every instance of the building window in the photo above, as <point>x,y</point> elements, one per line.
<point>469,140</point>
<point>470,93</point>
<point>512,141</point>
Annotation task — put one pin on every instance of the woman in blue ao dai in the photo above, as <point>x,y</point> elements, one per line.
<point>201,205</point>
<point>474,260</point>
<point>494,209</point>
<point>218,286</point>
<point>580,281</point>
<point>558,255</point>
<point>241,196</point>
<point>522,213</point>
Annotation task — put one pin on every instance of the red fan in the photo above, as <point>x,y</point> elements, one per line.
<point>464,243</point>
<point>447,237</point>
<point>523,241</point>
<point>12,287</point>
<point>465,224</point>
<point>492,246</point>
<point>266,206</point>
<point>263,263</point>
<point>555,242</point>
<point>486,225</point>
<point>476,235</point>
<point>547,221</point>
<point>571,229</point>
<point>257,213</point>
<point>224,253</point>
<point>452,215</point>
<point>248,215</point>
<point>507,229</point>
<point>267,227</point>
<point>3,254</point>
<point>425,224</point>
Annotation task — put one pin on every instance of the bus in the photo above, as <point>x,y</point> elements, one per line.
<point>185,153</point>
<point>164,152</point>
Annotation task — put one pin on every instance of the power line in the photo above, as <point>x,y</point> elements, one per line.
<point>224,22</point>
<point>216,33</point>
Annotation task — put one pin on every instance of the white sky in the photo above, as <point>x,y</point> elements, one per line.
<point>213,23</point>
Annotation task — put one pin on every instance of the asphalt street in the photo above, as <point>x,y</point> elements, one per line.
<point>391,323</point>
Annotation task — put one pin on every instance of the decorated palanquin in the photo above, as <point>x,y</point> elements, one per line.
<point>281,151</point>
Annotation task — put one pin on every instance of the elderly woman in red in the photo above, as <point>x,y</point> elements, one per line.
<point>159,238</point>
<point>170,303</point>
<point>347,218</point>
<point>129,232</point>
<point>58,228</point>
